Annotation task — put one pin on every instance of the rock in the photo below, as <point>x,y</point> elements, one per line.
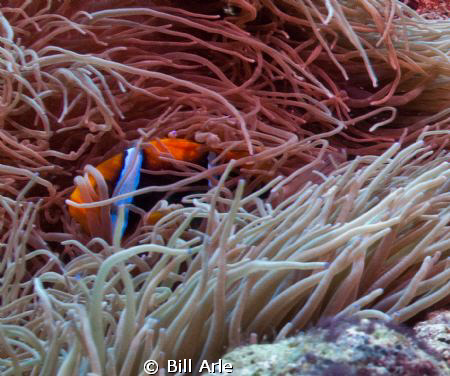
<point>347,347</point>
<point>435,332</point>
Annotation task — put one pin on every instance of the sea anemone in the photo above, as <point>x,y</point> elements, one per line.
<point>337,204</point>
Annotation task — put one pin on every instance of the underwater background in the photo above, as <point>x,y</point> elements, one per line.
<point>295,169</point>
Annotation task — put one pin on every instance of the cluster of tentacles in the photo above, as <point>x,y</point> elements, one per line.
<point>337,204</point>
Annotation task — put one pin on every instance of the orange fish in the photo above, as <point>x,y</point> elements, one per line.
<point>123,173</point>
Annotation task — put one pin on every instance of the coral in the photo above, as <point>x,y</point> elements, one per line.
<point>435,332</point>
<point>437,9</point>
<point>362,348</point>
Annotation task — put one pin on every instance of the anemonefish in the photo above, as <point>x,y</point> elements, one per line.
<point>122,173</point>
